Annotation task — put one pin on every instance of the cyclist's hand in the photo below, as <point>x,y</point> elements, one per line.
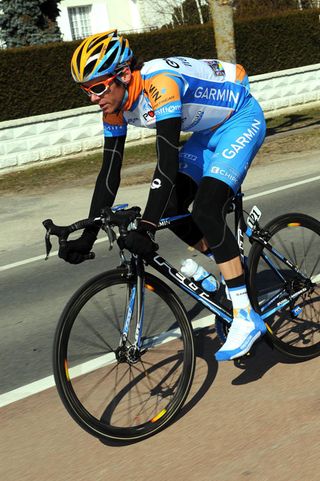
<point>141,241</point>
<point>77,251</point>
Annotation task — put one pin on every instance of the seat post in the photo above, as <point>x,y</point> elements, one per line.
<point>238,211</point>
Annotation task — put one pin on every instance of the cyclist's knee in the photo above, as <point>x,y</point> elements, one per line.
<point>188,232</point>
<point>179,202</point>
<point>211,200</point>
<point>210,207</point>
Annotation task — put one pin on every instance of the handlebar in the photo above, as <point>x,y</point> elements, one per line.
<point>117,216</point>
<point>62,232</point>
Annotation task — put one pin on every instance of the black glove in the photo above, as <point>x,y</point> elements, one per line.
<point>76,251</point>
<point>141,241</point>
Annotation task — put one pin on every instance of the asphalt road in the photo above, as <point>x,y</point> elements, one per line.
<point>33,294</point>
<point>254,423</point>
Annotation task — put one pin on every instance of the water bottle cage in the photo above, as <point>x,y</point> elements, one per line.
<point>206,277</point>
<point>200,283</point>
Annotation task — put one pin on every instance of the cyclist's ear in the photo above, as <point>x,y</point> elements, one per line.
<point>126,75</point>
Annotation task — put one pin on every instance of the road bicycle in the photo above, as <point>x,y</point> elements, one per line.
<point>124,355</point>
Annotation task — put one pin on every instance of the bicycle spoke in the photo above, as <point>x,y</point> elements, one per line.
<point>113,382</point>
<point>96,333</point>
<point>295,329</point>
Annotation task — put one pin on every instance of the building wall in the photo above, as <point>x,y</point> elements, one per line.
<point>125,15</point>
<point>99,17</point>
<point>57,135</point>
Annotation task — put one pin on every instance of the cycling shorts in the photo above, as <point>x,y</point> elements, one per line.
<point>226,153</point>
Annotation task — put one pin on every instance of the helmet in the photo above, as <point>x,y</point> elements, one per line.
<point>100,54</point>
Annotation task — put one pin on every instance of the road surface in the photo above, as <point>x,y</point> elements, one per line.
<point>253,423</point>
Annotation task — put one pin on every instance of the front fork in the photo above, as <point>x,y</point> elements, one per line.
<point>135,305</point>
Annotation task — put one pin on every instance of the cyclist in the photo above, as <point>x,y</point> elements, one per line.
<point>210,98</point>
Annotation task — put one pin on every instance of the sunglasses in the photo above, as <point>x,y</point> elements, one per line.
<point>99,88</point>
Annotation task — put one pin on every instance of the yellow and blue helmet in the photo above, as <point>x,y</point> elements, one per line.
<point>100,54</point>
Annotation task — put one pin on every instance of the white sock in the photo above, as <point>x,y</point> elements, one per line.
<point>239,297</point>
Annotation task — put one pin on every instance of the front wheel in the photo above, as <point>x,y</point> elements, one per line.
<point>291,294</point>
<point>111,389</point>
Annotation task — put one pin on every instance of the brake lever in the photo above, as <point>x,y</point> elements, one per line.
<point>48,244</point>
<point>111,236</point>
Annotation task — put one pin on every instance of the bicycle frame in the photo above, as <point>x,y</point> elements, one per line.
<point>254,234</point>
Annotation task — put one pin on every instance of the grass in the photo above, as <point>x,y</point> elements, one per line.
<point>82,169</point>
<point>70,171</point>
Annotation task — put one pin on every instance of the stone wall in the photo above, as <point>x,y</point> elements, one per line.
<point>61,134</point>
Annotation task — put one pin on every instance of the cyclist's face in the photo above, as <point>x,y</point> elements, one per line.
<point>111,99</point>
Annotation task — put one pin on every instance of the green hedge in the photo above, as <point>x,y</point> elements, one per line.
<point>36,80</point>
<point>286,41</point>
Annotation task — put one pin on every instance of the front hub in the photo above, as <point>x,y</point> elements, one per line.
<point>130,355</point>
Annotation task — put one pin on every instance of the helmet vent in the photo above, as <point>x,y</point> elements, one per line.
<point>123,47</point>
<point>79,57</point>
<point>97,40</point>
<point>108,63</point>
<point>89,67</point>
<point>96,51</point>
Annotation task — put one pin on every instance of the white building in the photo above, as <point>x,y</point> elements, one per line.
<point>80,18</point>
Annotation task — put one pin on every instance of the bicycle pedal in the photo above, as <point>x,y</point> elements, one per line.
<point>250,354</point>
<point>241,361</point>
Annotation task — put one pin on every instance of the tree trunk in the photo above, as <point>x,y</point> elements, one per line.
<point>222,15</point>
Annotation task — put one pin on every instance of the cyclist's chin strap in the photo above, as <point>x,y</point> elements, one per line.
<point>125,85</point>
<point>125,97</point>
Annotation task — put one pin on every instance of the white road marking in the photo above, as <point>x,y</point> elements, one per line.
<point>48,382</point>
<point>278,189</point>
<point>86,367</point>
<point>248,197</point>
<point>37,258</point>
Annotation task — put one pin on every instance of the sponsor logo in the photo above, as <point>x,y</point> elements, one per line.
<point>112,127</point>
<point>219,95</point>
<point>172,63</point>
<point>183,165</point>
<point>184,61</point>
<point>187,156</point>
<point>254,217</point>
<point>217,67</point>
<point>242,141</point>
<point>148,115</point>
<point>164,223</point>
<point>133,120</point>
<point>240,242</point>
<point>196,119</point>
<point>183,280</point>
<point>156,184</point>
<point>154,93</point>
<point>169,109</point>
<point>227,173</point>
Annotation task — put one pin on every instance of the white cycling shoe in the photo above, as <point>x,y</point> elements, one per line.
<point>247,326</point>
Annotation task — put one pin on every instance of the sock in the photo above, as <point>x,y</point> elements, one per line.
<point>238,292</point>
<point>239,297</point>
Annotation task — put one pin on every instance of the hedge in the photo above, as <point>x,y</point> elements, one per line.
<point>36,80</point>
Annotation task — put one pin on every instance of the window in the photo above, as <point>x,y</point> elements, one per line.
<point>80,21</point>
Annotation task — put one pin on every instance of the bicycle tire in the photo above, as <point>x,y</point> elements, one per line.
<point>295,329</point>
<point>71,345</point>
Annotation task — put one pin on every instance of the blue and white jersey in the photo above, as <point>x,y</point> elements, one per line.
<point>204,93</point>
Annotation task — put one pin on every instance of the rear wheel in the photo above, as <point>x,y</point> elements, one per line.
<point>114,391</point>
<point>295,328</point>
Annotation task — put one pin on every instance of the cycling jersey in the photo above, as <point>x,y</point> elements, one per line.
<point>204,93</point>
<point>209,98</point>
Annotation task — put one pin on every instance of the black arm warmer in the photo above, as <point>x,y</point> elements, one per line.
<point>167,143</point>
<point>108,180</point>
